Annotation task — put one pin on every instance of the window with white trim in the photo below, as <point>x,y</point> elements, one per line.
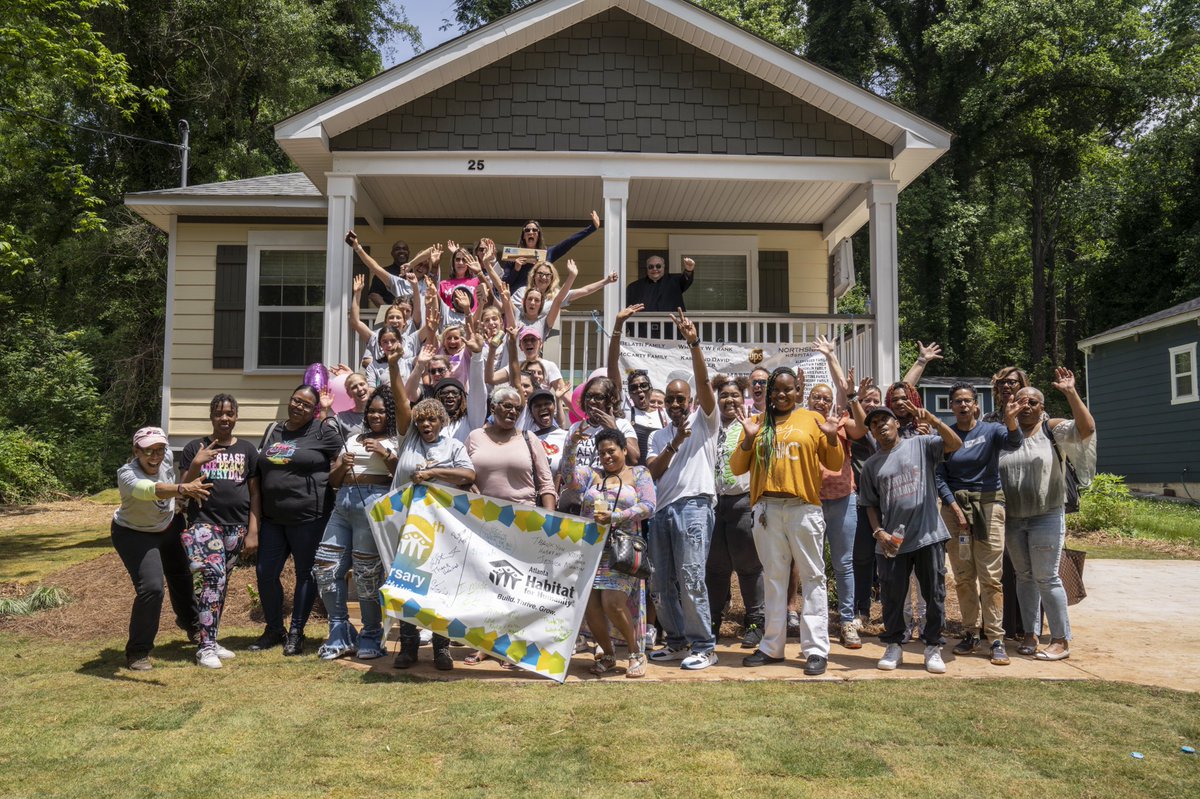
<point>1183,374</point>
<point>285,300</point>
<point>941,403</point>
<point>726,271</point>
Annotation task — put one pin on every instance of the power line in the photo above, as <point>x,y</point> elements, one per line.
<point>17,112</point>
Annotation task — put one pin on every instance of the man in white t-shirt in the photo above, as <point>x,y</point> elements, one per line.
<point>683,457</point>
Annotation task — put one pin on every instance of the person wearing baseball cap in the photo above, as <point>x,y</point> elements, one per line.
<point>145,532</point>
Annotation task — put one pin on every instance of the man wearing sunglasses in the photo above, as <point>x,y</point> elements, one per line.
<point>659,291</point>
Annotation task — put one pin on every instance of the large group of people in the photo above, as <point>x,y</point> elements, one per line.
<point>755,475</point>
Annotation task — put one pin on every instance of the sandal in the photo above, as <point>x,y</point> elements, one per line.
<point>603,664</point>
<point>636,666</point>
<point>1028,648</point>
<point>1062,653</point>
<point>475,658</point>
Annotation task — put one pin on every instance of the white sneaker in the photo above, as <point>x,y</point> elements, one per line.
<point>208,659</point>
<point>892,658</point>
<point>699,660</point>
<point>859,622</point>
<point>426,636</point>
<point>223,653</point>
<point>668,653</point>
<point>933,660</point>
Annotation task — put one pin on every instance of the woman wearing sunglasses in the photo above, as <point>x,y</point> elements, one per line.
<point>516,272</point>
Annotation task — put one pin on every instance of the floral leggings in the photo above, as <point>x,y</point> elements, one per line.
<point>212,551</point>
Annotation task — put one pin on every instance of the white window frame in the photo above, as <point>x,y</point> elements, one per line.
<point>719,245</point>
<point>256,242</point>
<point>1190,351</point>
<point>941,403</point>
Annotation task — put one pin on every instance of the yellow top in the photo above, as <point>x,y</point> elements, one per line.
<point>800,450</point>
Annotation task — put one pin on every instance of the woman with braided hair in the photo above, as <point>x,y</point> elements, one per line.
<point>897,395</point>
<point>783,449</point>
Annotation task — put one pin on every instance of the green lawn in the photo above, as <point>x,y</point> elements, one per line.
<point>1167,521</point>
<point>34,547</point>
<point>78,725</point>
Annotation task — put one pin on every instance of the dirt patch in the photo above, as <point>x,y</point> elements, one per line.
<point>1166,549</point>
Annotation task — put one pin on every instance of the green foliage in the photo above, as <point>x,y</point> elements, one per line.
<point>1105,505</point>
<point>44,597</point>
<point>26,473</point>
<point>777,21</point>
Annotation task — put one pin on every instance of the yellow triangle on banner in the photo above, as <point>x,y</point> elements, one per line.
<point>427,617</point>
<point>477,508</point>
<point>517,650</point>
<point>529,521</point>
<point>439,495</point>
<point>551,663</point>
<point>572,529</point>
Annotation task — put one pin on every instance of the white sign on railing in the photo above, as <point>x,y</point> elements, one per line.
<point>665,360</point>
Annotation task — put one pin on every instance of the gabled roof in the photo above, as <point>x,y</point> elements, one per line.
<point>291,194</point>
<point>305,137</point>
<point>1183,312</point>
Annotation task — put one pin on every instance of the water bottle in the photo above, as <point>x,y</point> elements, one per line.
<point>964,546</point>
<point>898,538</point>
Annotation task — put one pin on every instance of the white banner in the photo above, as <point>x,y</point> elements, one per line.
<point>510,579</point>
<point>665,360</point>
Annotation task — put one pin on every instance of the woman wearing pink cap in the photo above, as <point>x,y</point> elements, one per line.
<point>145,533</point>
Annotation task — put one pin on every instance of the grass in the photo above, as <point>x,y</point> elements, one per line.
<point>1166,521</point>
<point>36,541</point>
<point>77,725</point>
<point>43,597</point>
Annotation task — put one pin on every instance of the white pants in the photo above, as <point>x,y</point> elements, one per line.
<point>787,530</point>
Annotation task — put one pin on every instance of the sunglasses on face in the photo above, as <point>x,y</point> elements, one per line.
<point>1008,381</point>
<point>639,387</point>
<point>654,266</point>
<point>438,370</point>
<point>758,382</point>
<point>530,230</point>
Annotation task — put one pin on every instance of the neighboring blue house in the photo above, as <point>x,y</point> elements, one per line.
<point>1142,389</point>
<point>935,394</point>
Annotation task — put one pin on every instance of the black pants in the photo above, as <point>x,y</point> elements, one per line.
<point>151,558</point>
<point>275,542</point>
<point>410,635</point>
<point>929,563</point>
<point>1011,620</point>
<point>864,563</point>
<point>732,551</point>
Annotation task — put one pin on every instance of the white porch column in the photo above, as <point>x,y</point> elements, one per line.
<point>616,198</point>
<point>342,192</point>
<point>885,281</point>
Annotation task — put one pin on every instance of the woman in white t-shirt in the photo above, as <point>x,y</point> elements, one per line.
<point>363,473</point>
<point>599,401</point>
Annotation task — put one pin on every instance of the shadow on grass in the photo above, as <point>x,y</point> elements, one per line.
<point>22,545</point>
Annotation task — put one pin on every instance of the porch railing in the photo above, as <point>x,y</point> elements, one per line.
<point>582,344</point>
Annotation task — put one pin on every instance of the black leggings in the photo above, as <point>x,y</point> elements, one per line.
<point>151,559</point>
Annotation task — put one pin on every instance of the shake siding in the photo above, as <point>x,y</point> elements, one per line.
<point>262,398</point>
<point>1142,435</point>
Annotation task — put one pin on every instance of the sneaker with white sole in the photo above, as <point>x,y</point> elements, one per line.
<point>893,656</point>
<point>860,621</point>
<point>933,660</point>
<point>699,660</point>
<point>223,653</point>
<point>669,653</point>
<point>850,637</point>
<point>208,659</point>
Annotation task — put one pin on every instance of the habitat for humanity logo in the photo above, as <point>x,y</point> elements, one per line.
<point>414,548</point>
<point>505,575</point>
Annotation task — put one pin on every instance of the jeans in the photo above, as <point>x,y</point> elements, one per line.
<point>276,542</point>
<point>841,523</point>
<point>787,530</point>
<point>151,558</point>
<point>349,545</point>
<point>929,565</point>
<point>1035,545</point>
<point>212,551</point>
<point>732,551</point>
<point>977,578</point>
<point>680,536</point>
<point>864,562</point>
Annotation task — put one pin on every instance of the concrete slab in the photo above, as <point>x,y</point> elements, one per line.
<point>1127,601</point>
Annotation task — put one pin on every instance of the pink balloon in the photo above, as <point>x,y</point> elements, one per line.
<point>575,412</point>
<point>342,401</point>
<point>317,376</point>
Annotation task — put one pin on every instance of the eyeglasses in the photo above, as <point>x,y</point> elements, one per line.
<point>299,403</point>
<point>450,393</point>
<point>758,382</point>
<point>156,452</point>
<point>1008,381</point>
<point>508,407</point>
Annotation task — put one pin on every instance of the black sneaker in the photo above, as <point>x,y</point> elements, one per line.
<point>405,658</point>
<point>759,658</point>
<point>752,637</point>
<point>814,665</point>
<point>967,645</point>
<point>793,624</point>
<point>294,644</point>
<point>268,640</point>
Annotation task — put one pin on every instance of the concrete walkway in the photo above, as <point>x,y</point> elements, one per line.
<point>1137,624</point>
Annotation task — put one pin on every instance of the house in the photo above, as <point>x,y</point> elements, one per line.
<point>935,395</point>
<point>1142,390</point>
<point>689,136</point>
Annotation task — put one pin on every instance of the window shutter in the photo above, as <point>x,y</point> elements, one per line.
<point>773,282</point>
<point>229,308</point>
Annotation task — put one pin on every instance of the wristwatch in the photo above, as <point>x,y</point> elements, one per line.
<point>695,343</point>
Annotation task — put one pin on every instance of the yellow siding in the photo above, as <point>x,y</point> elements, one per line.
<point>262,397</point>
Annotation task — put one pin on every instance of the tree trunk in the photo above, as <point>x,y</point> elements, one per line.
<point>1037,335</point>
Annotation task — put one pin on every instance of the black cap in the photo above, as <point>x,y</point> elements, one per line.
<point>448,382</point>
<point>541,393</point>
<point>882,410</point>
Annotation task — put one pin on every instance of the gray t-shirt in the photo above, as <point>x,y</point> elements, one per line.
<point>144,515</point>
<point>1034,480</point>
<point>901,484</point>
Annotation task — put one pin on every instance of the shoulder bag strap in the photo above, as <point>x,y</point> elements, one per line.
<point>537,478</point>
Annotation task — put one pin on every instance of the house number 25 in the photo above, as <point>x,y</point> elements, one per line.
<point>475,165</point>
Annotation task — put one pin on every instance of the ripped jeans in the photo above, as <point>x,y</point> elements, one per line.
<point>680,537</point>
<point>348,544</point>
<point>212,551</point>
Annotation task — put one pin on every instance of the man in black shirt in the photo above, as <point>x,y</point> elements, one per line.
<point>379,294</point>
<point>659,291</point>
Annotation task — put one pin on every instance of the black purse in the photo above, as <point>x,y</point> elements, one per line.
<point>1071,505</point>
<point>627,552</point>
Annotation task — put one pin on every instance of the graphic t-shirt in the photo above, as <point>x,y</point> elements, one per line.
<point>294,467</point>
<point>901,484</point>
<point>230,471</point>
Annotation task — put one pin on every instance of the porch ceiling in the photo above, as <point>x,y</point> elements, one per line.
<point>667,200</point>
